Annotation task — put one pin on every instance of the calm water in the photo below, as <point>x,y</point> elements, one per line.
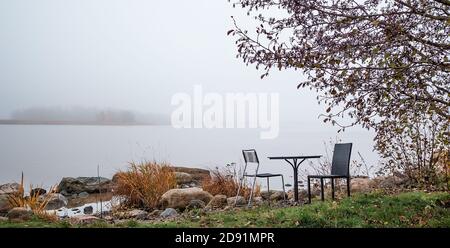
<point>47,153</point>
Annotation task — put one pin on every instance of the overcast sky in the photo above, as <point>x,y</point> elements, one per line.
<point>135,55</point>
<point>130,54</point>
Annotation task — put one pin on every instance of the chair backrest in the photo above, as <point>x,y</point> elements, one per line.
<point>341,159</point>
<point>250,156</point>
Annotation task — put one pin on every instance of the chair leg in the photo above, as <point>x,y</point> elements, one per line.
<point>284,190</point>
<point>309,190</point>
<point>348,186</point>
<point>253,187</point>
<point>268,189</point>
<point>332,188</point>
<point>240,184</point>
<point>251,193</point>
<point>322,193</point>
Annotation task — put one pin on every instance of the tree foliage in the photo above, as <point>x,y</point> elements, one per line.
<point>378,62</point>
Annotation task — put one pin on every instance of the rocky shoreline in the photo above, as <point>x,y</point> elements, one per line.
<point>88,199</point>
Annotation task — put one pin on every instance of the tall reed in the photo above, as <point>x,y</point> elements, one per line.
<point>143,184</point>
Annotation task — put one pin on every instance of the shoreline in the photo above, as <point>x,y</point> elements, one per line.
<point>76,123</point>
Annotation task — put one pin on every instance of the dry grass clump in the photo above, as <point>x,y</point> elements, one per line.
<point>226,182</point>
<point>35,202</point>
<point>143,184</point>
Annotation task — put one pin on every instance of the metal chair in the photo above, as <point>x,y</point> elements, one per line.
<point>340,168</point>
<point>250,156</point>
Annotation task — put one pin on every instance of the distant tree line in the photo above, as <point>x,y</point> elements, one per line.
<point>86,115</point>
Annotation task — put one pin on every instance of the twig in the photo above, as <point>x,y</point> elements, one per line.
<point>100,192</point>
<point>365,164</point>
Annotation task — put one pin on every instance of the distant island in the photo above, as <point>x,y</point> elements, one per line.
<point>82,116</point>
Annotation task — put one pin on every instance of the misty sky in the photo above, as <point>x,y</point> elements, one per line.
<point>135,55</point>
<point>130,54</point>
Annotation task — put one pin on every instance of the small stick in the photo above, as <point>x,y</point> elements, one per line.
<point>100,192</point>
<point>365,164</point>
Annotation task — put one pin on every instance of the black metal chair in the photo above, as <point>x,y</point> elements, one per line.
<point>340,168</point>
<point>250,156</point>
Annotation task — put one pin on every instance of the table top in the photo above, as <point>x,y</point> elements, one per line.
<point>295,157</point>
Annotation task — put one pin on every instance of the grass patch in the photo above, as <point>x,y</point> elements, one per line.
<point>413,209</point>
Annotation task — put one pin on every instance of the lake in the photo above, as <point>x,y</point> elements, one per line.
<point>46,153</point>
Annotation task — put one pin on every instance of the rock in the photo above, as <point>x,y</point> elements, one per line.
<point>4,203</point>
<point>9,188</point>
<point>258,200</point>
<point>84,219</point>
<point>155,213</point>
<point>197,174</point>
<point>19,214</point>
<point>70,185</point>
<point>266,194</point>
<point>83,194</point>
<point>389,182</point>
<point>362,185</point>
<point>115,178</point>
<point>88,210</point>
<point>196,204</point>
<point>180,198</point>
<point>273,195</point>
<point>218,201</point>
<point>240,201</point>
<point>278,196</point>
<point>3,218</point>
<point>38,192</point>
<point>55,201</point>
<point>183,178</point>
<point>302,194</point>
<point>137,214</point>
<point>169,212</point>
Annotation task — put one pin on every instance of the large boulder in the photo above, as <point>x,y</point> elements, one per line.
<point>197,174</point>
<point>9,188</point>
<point>218,201</point>
<point>55,201</point>
<point>19,214</point>
<point>6,190</point>
<point>183,178</point>
<point>70,185</point>
<point>180,198</point>
<point>5,206</point>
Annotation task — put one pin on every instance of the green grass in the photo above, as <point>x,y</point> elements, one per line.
<point>413,209</point>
